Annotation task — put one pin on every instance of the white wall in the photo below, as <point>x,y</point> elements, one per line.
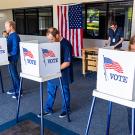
<point>4,16</point>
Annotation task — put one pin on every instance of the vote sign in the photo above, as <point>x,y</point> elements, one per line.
<point>3,52</point>
<point>40,60</point>
<point>115,74</point>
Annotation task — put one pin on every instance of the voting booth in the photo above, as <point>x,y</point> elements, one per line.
<point>40,59</point>
<point>116,73</point>
<point>3,52</point>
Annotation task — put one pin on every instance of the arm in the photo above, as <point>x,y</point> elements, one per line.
<point>121,40</point>
<point>65,65</point>
<point>15,47</point>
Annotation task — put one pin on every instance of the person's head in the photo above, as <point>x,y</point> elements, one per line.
<point>4,34</point>
<point>113,26</point>
<point>53,35</point>
<point>132,44</point>
<point>10,26</point>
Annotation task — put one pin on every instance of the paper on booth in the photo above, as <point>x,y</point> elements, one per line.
<point>116,71</point>
<point>3,52</point>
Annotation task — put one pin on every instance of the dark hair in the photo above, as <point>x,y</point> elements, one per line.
<point>4,32</point>
<point>131,42</point>
<point>52,31</point>
<point>113,23</point>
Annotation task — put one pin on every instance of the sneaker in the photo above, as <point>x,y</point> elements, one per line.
<point>62,115</point>
<point>15,96</point>
<point>10,92</point>
<point>44,114</point>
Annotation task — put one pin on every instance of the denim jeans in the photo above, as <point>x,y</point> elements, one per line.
<point>14,76</point>
<point>129,110</point>
<point>51,91</point>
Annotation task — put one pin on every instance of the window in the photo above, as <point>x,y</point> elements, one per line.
<point>96,21</point>
<point>45,20</point>
<point>33,21</point>
<point>99,15</point>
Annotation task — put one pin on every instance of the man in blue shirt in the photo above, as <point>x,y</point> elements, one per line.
<point>67,74</point>
<point>115,36</point>
<point>13,51</point>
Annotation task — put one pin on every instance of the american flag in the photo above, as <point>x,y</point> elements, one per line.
<point>28,53</point>
<point>70,25</point>
<point>48,53</point>
<point>110,64</point>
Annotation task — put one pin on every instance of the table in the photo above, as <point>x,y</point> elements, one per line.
<point>89,59</point>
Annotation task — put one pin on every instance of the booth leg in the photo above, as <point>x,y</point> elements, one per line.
<point>41,105</point>
<point>133,121</point>
<point>109,117</point>
<point>68,117</point>
<point>19,100</point>
<point>90,116</point>
<point>1,82</point>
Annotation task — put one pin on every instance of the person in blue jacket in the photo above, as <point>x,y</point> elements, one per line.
<point>13,40</point>
<point>67,74</point>
<point>115,36</point>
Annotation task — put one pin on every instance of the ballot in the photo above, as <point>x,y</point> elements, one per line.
<point>40,59</point>
<point>116,73</point>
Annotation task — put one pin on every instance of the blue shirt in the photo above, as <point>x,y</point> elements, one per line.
<point>66,56</point>
<point>116,36</point>
<point>13,47</point>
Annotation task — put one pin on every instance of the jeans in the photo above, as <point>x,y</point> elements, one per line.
<point>14,76</point>
<point>129,110</point>
<point>51,91</point>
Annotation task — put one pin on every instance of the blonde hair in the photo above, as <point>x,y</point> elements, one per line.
<point>12,24</point>
<point>131,42</point>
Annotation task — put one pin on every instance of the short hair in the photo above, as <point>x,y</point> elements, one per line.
<point>113,23</point>
<point>131,42</point>
<point>52,31</point>
<point>12,23</point>
<point>4,32</point>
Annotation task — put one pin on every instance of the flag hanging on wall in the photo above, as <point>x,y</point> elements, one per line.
<point>70,25</point>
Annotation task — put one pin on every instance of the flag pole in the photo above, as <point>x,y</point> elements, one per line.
<point>104,68</point>
<point>43,58</point>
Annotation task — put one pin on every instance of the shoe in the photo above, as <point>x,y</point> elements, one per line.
<point>62,115</point>
<point>15,96</point>
<point>10,92</point>
<point>44,114</point>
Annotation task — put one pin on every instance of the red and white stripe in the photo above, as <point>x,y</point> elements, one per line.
<point>75,36</point>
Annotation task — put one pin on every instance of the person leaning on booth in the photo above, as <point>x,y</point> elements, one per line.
<point>131,48</point>
<point>13,40</point>
<point>115,36</point>
<point>67,74</point>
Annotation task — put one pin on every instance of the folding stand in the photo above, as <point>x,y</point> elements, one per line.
<point>40,80</point>
<point>111,99</point>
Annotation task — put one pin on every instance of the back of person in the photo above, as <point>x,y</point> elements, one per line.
<point>13,46</point>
